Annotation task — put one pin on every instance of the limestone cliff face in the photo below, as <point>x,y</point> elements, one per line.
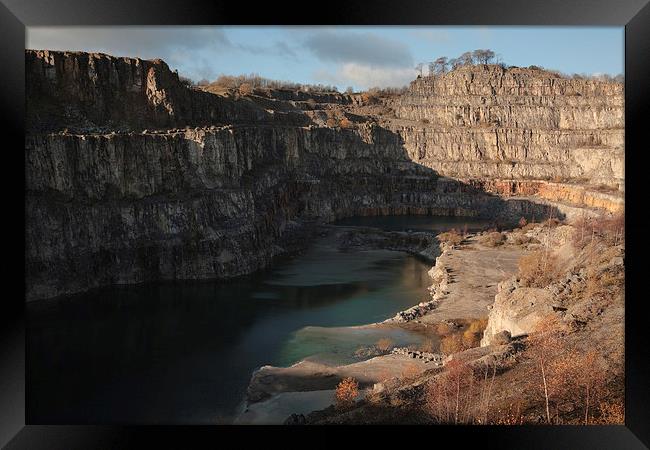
<point>131,176</point>
<point>487,122</point>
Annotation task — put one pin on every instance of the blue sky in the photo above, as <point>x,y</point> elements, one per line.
<point>358,56</point>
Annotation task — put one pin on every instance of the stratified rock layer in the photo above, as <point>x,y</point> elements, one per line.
<point>132,176</point>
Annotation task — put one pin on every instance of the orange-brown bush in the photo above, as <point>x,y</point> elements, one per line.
<point>601,284</point>
<point>611,413</point>
<point>446,401</point>
<point>610,229</point>
<point>346,393</point>
<point>452,237</point>
<point>444,329</point>
<point>385,344</point>
<point>451,344</point>
<point>345,123</point>
<point>493,239</point>
<point>332,122</point>
<point>245,89</point>
<point>474,332</point>
<point>538,269</point>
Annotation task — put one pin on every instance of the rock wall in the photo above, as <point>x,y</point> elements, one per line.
<point>132,176</point>
<point>493,123</point>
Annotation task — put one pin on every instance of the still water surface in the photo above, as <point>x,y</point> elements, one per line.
<point>184,352</point>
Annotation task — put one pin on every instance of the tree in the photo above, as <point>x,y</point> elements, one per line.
<point>418,68</point>
<point>483,56</point>
<point>466,58</point>
<point>544,344</point>
<point>440,65</point>
<point>349,90</point>
<point>454,63</point>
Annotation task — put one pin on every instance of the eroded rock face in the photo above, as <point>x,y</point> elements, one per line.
<point>131,176</point>
<point>486,122</point>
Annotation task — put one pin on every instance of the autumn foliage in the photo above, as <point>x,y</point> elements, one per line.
<point>346,393</point>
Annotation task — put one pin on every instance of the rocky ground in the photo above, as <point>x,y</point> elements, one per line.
<point>479,278</point>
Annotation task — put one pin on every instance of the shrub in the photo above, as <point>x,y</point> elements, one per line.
<point>521,239</point>
<point>474,332</point>
<point>444,329</point>
<point>345,123</point>
<point>538,269</point>
<point>522,222</point>
<point>385,344</point>
<point>611,413</point>
<point>610,229</point>
<point>451,344</point>
<point>493,239</point>
<point>246,89</point>
<point>332,122</point>
<point>599,284</point>
<point>452,237</point>
<point>346,393</point>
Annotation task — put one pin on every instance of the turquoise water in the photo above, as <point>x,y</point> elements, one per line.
<point>184,352</point>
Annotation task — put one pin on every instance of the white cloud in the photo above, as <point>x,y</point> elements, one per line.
<point>363,76</point>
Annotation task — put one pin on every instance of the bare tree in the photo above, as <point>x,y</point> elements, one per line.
<point>544,344</point>
<point>483,56</point>
<point>466,59</point>
<point>440,65</point>
<point>454,63</point>
<point>418,69</point>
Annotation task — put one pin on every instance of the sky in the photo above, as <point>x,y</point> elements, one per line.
<point>359,56</point>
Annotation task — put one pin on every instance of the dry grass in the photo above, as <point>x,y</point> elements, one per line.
<point>474,332</point>
<point>443,329</point>
<point>523,239</point>
<point>385,344</point>
<point>452,344</point>
<point>493,239</point>
<point>608,229</point>
<point>452,237</point>
<point>538,269</point>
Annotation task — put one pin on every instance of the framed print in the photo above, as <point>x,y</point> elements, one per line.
<point>253,219</point>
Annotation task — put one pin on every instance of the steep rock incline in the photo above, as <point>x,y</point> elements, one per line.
<point>132,176</point>
<point>94,92</point>
<point>488,122</point>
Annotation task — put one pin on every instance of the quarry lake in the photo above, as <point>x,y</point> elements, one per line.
<point>184,352</point>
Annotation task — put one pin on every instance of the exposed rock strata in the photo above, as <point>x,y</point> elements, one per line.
<point>131,176</point>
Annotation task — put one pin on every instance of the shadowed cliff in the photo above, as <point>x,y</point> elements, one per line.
<point>131,176</point>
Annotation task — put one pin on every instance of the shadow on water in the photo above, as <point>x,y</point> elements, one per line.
<point>184,352</point>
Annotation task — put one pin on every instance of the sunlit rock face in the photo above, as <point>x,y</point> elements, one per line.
<point>131,176</point>
<point>487,122</point>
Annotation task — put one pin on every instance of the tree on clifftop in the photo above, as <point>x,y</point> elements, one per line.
<point>484,56</point>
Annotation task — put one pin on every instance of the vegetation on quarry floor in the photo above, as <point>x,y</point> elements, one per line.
<point>567,369</point>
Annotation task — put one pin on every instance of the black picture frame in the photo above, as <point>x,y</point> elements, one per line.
<point>15,15</point>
